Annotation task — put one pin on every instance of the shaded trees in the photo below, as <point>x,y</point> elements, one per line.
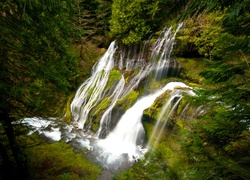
<point>91,20</point>
<point>217,144</point>
<point>36,64</point>
<point>132,21</point>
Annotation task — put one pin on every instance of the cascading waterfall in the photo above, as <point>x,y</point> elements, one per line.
<point>136,66</point>
<point>164,44</point>
<point>92,89</point>
<point>124,138</point>
<point>165,122</point>
<point>166,111</point>
<point>107,114</point>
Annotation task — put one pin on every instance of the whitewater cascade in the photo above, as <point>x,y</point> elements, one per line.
<point>121,136</point>
<point>107,114</point>
<point>128,134</point>
<point>124,138</point>
<point>166,111</point>
<point>92,90</point>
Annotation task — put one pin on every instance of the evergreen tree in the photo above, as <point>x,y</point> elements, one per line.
<point>35,64</point>
<point>217,144</point>
<point>132,21</point>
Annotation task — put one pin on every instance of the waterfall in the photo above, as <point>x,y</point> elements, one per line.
<point>161,52</point>
<point>110,136</point>
<point>135,59</point>
<point>107,114</point>
<point>92,89</point>
<point>141,61</point>
<point>165,122</point>
<point>165,110</point>
<point>124,139</point>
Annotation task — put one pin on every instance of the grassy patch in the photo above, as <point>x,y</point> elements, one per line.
<point>58,161</point>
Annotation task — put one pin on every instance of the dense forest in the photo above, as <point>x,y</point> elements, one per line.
<point>48,48</point>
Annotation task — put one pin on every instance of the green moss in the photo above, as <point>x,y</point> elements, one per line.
<point>191,68</point>
<point>58,161</point>
<point>155,108</point>
<point>114,76</point>
<point>128,100</point>
<point>67,111</point>
<point>97,113</point>
<point>151,114</point>
<point>102,105</point>
<point>95,125</point>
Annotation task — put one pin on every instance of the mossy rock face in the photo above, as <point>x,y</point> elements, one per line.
<point>67,111</point>
<point>97,112</point>
<point>191,68</point>
<point>114,77</point>
<point>150,115</point>
<point>128,100</point>
<point>154,110</point>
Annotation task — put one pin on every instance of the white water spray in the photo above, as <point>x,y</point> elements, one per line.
<point>124,138</point>
<point>165,110</point>
<point>92,89</point>
<point>162,50</point>
<point>107,114</point>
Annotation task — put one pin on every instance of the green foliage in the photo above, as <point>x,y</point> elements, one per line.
<point>36,60</point>
<point>221,72</point>
<point>157,168</point>
<point>206,146</point>
<point>37,65</point>
<point>228,46</point>
<point>208,140</point>
<point>212,32</point>
<point>91,21</point>
<point>200,35</point>
<point>131,21</point>
<point>58,161</point>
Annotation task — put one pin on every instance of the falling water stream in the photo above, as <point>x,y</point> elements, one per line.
<point>126,139</point>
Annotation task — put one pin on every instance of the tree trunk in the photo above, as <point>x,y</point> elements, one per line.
<point>5,166</point>
<point>19,157</point>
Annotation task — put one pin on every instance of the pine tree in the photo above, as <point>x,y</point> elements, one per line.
<point>35,63</point>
